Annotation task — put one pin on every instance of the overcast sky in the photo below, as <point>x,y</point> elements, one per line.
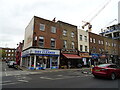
<point>16,14</point>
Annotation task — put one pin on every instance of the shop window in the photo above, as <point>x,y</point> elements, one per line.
<point>42,27</point>
<point>54,61</point>
<point>41,41</point>
<point>53,29</point>
<point>52,43</point>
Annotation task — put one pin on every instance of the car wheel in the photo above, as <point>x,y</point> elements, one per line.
<point>113,76</point>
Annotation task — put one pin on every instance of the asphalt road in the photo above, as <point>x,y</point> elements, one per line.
<point>58,79</point>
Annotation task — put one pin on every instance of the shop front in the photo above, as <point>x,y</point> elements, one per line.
<point>70,60</point>
<point>95,59</point>
<point>34,58</point>
<point>86,58</point>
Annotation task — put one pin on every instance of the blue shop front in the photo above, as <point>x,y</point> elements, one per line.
<point>34,58</point>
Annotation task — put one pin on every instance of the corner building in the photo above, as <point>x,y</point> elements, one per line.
<point>41,44</point>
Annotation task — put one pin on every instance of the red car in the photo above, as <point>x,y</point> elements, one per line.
<point>111,71</point>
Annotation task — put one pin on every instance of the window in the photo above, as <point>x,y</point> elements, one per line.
<point>52,43</point>
<point>85,38</point>
<point>81,48</point>
<point>42,27</point>
<point>41,41</point>
<point>98,41</point>
<point>102,42</point>
<point>73,45</point>
<point>91,40</point>
<point>64,44</point>
<point>94,40</point>
<point>106,43</point>
<point>53,29</point>
<point>80,37</point>
<point>64,32</point>
<point>72,34</point>
<point>54,61</point>
<point>85,48</point>
<point>8,54</point>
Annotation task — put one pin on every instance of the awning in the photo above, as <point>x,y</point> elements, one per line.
<point>72,56</point>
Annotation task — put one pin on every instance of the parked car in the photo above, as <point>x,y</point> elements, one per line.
<point>11,64</point>
<point>111,71</point>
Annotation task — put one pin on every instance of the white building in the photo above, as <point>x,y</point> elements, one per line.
<point>119,12</point>
<point>83,46</point>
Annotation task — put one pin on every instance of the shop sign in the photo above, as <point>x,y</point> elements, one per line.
<point>84,54</point>
<point>41,51</point>
<point>95,56</point>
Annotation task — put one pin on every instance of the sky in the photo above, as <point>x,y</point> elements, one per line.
<point>16,14</point>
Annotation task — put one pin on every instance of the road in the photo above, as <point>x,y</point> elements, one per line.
<point>54,79</point>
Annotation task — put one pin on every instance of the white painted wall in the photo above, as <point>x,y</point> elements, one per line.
<point>28,37</point>
<point>119,12</point>
<point>83,33</point>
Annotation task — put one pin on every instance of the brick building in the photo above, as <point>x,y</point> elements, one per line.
<point>96,48</point>
<point>19,52</point>
<point>41,44</point>
<point>8,54</point>
<point>69,44</point>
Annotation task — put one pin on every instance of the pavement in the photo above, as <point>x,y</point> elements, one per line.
<point>83,70</point>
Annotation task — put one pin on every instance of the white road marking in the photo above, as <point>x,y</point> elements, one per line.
<point>6,74</point>
<point>59,75</point>
<point>23,80</point>
<point>7,83</point>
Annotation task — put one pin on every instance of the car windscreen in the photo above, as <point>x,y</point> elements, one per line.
<point>103,65</point>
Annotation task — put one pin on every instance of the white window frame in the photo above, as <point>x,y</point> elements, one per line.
<point>81,37</point>
<point>42,27</point>
<point>73,45</point>
<point>64,32</point>
<point>72,34</point>
<point>53,29</point>
<point>41,37</point>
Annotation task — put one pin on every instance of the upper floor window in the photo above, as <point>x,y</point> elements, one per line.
<point>106,43</point>
<point>42,27</point>
<point>41,41</point>
<point>85,48</point>
<point>94,40</point>
<point>80,37</point>
<point>81,47</point>
<point>53,29</point>
<point>102,42</point>
<point>73,45</point>
<point>72,34</point>
<point>85,38</point>
<point>64,32</point>
<point>98,41</point>
<point>91,40</point>
<point>52,43</point>
<point>64,44</point>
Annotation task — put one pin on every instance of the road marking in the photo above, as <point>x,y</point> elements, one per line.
<point>59,75</point>
<point>7,83</point>
<point>23,80</point>
<point>6,74</point>
<point>5,69</point>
